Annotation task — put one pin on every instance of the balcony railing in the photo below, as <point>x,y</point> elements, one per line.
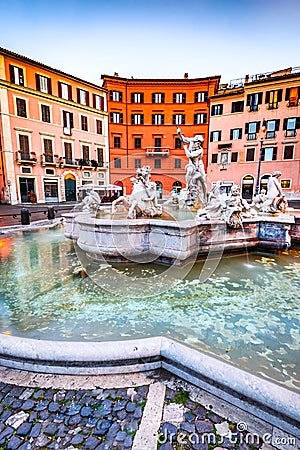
<point>270,135</point>
<point>292,103</point>
<point>253,108</point>
<point>158,151</point>
<point>273,105</point>
<point>23,157</point>
<point>290,133</point>
<point>251,136</point>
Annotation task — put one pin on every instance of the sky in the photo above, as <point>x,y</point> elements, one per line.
<point>154,38</point>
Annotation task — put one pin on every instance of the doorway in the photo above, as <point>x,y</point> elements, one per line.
<point>26,187</point>
<point>70,188</point>
<point>247,187</point>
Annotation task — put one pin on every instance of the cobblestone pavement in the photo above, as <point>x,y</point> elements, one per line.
<point>141,412</point>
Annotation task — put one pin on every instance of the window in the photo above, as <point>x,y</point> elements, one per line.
<point>290,125</point>
<point>48,150</point>
<point>200,118</point>
<point>214,158</point>
<point>178,119</point>
<point>269,154</point>
<point>157,144</point>
<point>250,153</point>
<point>286,184</point>
<point>236,133</point>
<point>43,84</point>
<point>177,164</point>
<point>251,129</point>
<point>100,157</point>
<point>237,106</point>
<point>292,96</point>
<point>137,142</point>
<point>64,91</point>
<point>117,163</point>
<point>86,174</point>
<point>85,153</point>
<point>273,98</point>
<point>67,122</point>
<point>137,97</point>
<point>157,163</point>
<point>253,100</point>
<point>177,142</point>
<point>68,152</point>
<point>116,117</point>
<point>234,157</point>
<point>16,75</point>
<point>45,113</point>
<point>21,107</point>
<point>84,123</point>
<point>217,110</point>
<point>117,142</point>
<point>27,170</point>
<point>201,97</point>
<point>137,163</point>
<point>49,171</point>
<point>288,152</point>
<point>115,96</point>
<point>215,136</point>
<point>98,102</point>
<point>137,119</point>
<point>158,119</point>
<point>179,97</point>
<point>24,146</point>
<point>99,126</point>
<point>158,98</point>
<point>272,126</point>
<point>83,97</point>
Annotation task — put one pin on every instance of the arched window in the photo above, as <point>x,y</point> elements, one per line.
<point>247,187</point>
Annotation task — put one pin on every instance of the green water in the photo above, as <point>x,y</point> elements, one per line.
<point>246,312</point>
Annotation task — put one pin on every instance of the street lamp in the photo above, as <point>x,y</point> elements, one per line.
<point>262,131</point>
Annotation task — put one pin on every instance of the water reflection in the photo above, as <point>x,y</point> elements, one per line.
<point>247,312</point>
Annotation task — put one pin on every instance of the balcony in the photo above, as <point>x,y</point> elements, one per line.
<point>251,136</point>
<point>23,157</point>
<point>292,102</point>
<point>270,135</point>
<point>157,151</point>
<point>273,105</point>
<point>253,108</point>
<point>290,133</point>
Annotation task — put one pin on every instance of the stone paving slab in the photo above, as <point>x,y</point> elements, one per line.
<point>143,411</point>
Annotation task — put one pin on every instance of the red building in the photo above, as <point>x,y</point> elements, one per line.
<point>143,114</point>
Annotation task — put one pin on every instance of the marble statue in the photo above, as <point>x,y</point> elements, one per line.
<point>142,202</point>
<point>195,177</point>
<point>216,206</point>
<point>275,199</point>
<point>91,202</point>
<point>236,208</point>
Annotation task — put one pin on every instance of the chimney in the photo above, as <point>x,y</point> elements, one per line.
<point>186,75</point>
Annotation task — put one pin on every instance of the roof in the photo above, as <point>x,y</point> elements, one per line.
<point>159,80</point>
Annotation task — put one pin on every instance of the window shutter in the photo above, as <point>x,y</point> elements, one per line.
<point>110,95</point>
<point>211,137</point>
<point>153,119</point>
<point>132,119</point>
<point>219,135</point>
<point>263,154</point>
<point>11,73</point>
<point>195,119</point>
<point>59,89</point>
<point>246,128</point>
<point>142,119</point>
<point>285,124</point>
<point>205,96</point>
<point>121,96</point>
<point>94,100</point>
<point>240,133</point>
<point>257,126</point>
<point>87,98</point>
<point>196,97</point>
<point>221,109</point>
<point>78,95</point>
<point>49,86</point>
<point>121,117</point>
<point>37,81</point>
<point>287,94</point>
<point>162,119</point>
<point>231,135</point>
<point>277,123</point>
<point>174,98</point>
<point>132,98</point>
<point>71,121</point>
<point>153,98</point>
<point>163,98</point>
<point>102,103</point>
<point>111,117</point>
<point>142,97</point>
<point>260,95</point>
<point>297,123</point>
<point>184,97</point>
<point>279,95</point>
<point>267,97</point>
<point>183,119</point>
<point>174,119</point>
<point>69,92</point>
<point>274,156</point>
<point>248,99</point>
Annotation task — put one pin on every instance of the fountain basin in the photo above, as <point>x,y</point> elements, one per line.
<point>174,242</point>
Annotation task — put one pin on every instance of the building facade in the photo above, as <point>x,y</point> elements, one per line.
<point>53,132</point>
<point>254,131</point>
<point>143,114</point>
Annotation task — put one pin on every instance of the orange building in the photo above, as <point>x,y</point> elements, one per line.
<point>254,131</point>
<point>53,132</point>
<point>143,114</point>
